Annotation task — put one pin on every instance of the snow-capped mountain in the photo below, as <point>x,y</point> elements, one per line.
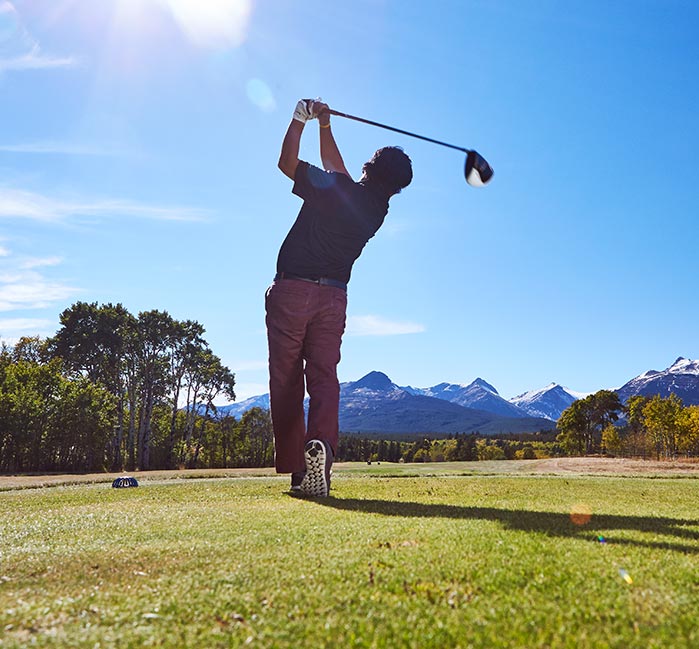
<point>548,402</point>
<point>238,409</point>
<point>478,394</point>
<point>681,378</point>
<point>375,404</point>
<point>372,383</point>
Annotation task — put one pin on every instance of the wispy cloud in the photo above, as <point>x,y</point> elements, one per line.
<point>40,262</point>
<point>35,60</point>
<point>246,390</point>
<point>60,148</point>
<point>29,289</point>
<point>17,327</point>
<point>24,285</point>
<point>19,50</point>
<point>21,204</point>
<point>372,325</point>
<point>247,366</point>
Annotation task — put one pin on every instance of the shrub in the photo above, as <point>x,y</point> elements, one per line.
<point>488,451</point>
<point>422,456</point>
<point>526,453</point>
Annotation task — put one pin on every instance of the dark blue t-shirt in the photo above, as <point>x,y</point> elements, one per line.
<point>337,218</point>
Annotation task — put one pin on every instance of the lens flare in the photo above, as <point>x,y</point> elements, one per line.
<point>580,514</point>
<point>260,94</point>
<point>625,576</point>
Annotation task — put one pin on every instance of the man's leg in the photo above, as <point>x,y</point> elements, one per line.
<point>322,353</point>
<point>287,306</point>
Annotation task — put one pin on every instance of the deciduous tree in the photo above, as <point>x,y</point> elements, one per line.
<point>581,424</point>
<point>661,417</point>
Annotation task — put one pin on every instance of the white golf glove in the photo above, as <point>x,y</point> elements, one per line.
<point>304,110</point>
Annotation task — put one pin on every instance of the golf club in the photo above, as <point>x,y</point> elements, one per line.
<point>477,171</point>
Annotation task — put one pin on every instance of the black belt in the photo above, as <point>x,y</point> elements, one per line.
<point>322,281</point>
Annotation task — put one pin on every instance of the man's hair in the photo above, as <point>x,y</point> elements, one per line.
<point>390,169</point>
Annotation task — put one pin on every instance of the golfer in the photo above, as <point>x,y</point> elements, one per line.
<point>306,304</point>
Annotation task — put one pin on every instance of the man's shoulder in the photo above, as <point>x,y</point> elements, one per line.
<point>322,179</point>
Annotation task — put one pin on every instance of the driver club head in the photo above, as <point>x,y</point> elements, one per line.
<point>477,171</point>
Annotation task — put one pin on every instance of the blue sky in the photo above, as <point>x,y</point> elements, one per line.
<point>138,149</point>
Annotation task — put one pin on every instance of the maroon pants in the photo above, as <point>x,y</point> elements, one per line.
<point>305,323</point>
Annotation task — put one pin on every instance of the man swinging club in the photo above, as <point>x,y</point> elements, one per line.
<point>307,302</point>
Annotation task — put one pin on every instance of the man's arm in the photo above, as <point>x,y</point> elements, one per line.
<point>329,153</point>
<point>289,157</point>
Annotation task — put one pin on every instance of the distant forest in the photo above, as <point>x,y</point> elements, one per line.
<point>112,391</point>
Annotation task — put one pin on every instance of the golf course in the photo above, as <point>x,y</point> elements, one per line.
<point>548,553</point>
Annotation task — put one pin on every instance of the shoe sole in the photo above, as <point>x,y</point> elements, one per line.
<point>315,482</point>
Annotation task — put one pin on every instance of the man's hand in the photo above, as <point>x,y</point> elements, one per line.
<point>320,110</point>
<point>305,109</point>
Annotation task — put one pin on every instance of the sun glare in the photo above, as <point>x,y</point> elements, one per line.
<point>208,24</point>
<point>212,24</point>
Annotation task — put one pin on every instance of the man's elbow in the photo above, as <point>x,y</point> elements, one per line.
<point>288,167</point>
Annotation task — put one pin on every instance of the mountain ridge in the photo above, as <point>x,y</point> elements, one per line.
<point>374,404</point>
<point>479,396</point>
<point>681,378</point>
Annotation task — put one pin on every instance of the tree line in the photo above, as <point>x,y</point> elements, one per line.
<point>660,427</point>
<point>112,390</point>
<point>459,447</point>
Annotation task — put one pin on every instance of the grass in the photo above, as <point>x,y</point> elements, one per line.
<point>389,561</point>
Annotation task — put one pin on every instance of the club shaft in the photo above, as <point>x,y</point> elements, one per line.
<point>396,130</point>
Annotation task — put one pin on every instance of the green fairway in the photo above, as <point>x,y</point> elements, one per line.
<point>412,561</point>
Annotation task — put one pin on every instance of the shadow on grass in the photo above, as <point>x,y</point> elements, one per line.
<point>684,539</point>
